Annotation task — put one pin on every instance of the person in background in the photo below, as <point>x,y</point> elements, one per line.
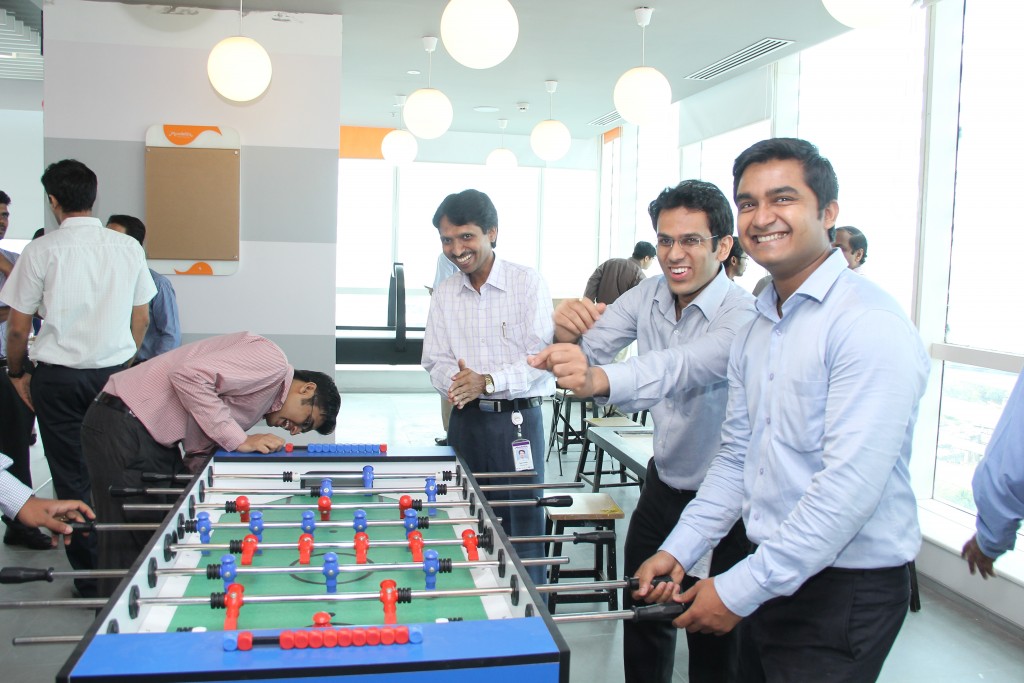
<point>999,488</point>
<point>736,264</point>
<point>854,246</point>
<point>16,420</point>
<point>164,331</point>
<point>617,276</point>
<point>93,288</point>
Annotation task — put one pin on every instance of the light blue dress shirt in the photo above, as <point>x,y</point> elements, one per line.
<point>816,441</point>
<point>999,479</point>
<point>164,331</point>
<point>13,258</point>
<point>13,494</point>
<point>680,373</point>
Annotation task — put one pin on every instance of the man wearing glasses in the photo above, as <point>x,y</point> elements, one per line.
<point>201,396</point>
<point>684,323</point>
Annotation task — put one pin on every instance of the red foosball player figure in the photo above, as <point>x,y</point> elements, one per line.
<point>324,505</point>
<point>242,506</point>
<point>233,600</point>
<point>469,542</point>
<point>362,543</point>
<point>305,548</point>
<point>416,546</point>
<point>404,503</point>
<point>389,596</point>
<point>250,544</point>
<point>322,620</point>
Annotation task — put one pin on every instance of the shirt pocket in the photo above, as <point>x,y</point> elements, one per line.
<point>801,414</point>
<point>514,337</point>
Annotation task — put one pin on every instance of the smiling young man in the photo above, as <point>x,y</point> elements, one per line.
<point>196,398</point>
<point>483,323</point>
<point>823,395</point>
<point>684,323</point>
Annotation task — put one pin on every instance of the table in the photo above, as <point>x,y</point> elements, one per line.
<point>631,446</point>
<point>504,636</point>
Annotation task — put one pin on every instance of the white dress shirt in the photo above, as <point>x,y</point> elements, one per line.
<point>83,280</point>
<point>13,494</point>
<point>13,258</point>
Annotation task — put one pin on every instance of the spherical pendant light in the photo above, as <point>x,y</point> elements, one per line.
<point>399,147</point>
<point>642,95</point>
<point>865,13</point>
<point>550,140</point>
<point>428,113</point>
<point>239,68</point>
<point>479,33</point>
<point>502,157</point>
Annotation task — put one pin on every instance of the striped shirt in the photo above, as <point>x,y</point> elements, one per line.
<point>13,258</point>
<point>83,280</point>
<point>13,494</point>
<point>207,393</point>
<point>493,330</point>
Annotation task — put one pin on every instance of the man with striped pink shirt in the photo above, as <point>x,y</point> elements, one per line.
<point>194,399</point>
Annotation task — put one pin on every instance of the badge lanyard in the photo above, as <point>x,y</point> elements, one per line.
<point>522,455</point>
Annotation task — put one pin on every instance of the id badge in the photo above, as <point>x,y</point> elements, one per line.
<point>522,455</point>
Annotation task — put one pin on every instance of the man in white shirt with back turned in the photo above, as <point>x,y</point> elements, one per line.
<point>92,287</point>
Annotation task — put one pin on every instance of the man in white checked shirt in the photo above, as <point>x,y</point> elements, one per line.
<point>482,325</point>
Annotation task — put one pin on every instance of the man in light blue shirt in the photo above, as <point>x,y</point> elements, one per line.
<point>164,331</point>
<point>823,394</point>
<point>684,322</point>
<point>999,488</point>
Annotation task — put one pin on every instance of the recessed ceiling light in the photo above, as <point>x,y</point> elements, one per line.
<point>485,109</point>
<point>414,72</point>
<point>8,55</point>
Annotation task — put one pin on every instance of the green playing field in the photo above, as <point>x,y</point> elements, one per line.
<point>292,615</point>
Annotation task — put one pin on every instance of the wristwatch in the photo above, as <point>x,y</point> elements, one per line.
<point>16,375</point>
<point>488,385</point>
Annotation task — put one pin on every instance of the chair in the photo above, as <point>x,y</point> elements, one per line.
<point>563,434</point>
<point>589,510</point>
<point>592,476</point>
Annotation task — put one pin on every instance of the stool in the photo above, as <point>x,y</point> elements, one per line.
<point>582,474</point>
<point>589,510</point>
<point>562,432</point>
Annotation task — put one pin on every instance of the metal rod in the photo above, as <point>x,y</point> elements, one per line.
<point>334,506</point>
<point>93,526</point>
<point>149,507</point>
<point>451,521</point>
<point>85,603</point>
<point>620,615</point>
<point>44,640</point>
<point>543,561</point>
<point>523,487</point>
<point>344,545</point>
<point>582,586</point>
<point>313,569</point>
<point>305,491</point>
<point>329,597</point>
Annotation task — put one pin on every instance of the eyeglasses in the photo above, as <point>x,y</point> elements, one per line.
<point>688,242</point>
<point>308,424</point>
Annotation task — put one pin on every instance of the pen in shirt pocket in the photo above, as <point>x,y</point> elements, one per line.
<point>503,335</point>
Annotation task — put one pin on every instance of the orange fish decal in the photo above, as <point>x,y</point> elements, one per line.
<point>183,135</point>
<point>197,268</point>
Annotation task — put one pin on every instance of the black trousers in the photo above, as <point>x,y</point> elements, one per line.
<point>61,396</point>
<point>118,449</point>
<point>15,430</point>
<point>838,627</point>
<point>649,647</point>
<point>484,440</point>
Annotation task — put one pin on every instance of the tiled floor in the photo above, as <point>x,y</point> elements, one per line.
<point>949,641</point>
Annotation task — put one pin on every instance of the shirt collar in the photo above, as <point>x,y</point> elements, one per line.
<point>708,301</point>
<point>816,286</point>
<point>81,221</point>
<point>289,377</point>
<point>497,278</point>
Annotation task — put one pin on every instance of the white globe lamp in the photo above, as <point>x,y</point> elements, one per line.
<point>502,158</point>
<point>642,95</point>
<point>239,68</point>
<point>399,147</point>
<point>428,113</point>
<point>550,140</point>
<point>479,33</point>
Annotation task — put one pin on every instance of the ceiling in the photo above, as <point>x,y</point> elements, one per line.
<point>583,44</point>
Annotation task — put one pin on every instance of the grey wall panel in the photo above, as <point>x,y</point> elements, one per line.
<point>119,167</point>
<point>284,191</point>
<point>282,194</point>
<point>304,351</point>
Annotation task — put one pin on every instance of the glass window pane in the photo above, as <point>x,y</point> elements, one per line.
<point>987,173</point>
<point>570,230</point>
<point>861,98</point>
<point>972,401</point>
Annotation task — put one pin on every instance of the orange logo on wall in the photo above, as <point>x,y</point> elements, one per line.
<point>197,268</point>
<point>183,135</point>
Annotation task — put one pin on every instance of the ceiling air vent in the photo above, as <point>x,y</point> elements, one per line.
<point>610,117</point>
<point>739,58</point>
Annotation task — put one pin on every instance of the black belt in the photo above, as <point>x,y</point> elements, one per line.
<point>505,405</point>
<point>3,362</point>
<point>114,402</point>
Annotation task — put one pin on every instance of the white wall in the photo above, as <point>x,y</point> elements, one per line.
<point>21,143</point>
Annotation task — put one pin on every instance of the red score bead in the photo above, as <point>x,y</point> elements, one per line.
<point>344,637</point>
<point>289,447</point>
<point>383,448</point>
<point>387,636</point>
<point>316,639</point>
<point>330,638</point>
<point>358,637</point>
<point>245,641</point>
<point>301,640</point>
<point>402,635</point>
<point>286,640</point>
<point>373,636</point>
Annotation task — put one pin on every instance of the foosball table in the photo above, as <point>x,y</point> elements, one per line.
<point>331,565</point>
